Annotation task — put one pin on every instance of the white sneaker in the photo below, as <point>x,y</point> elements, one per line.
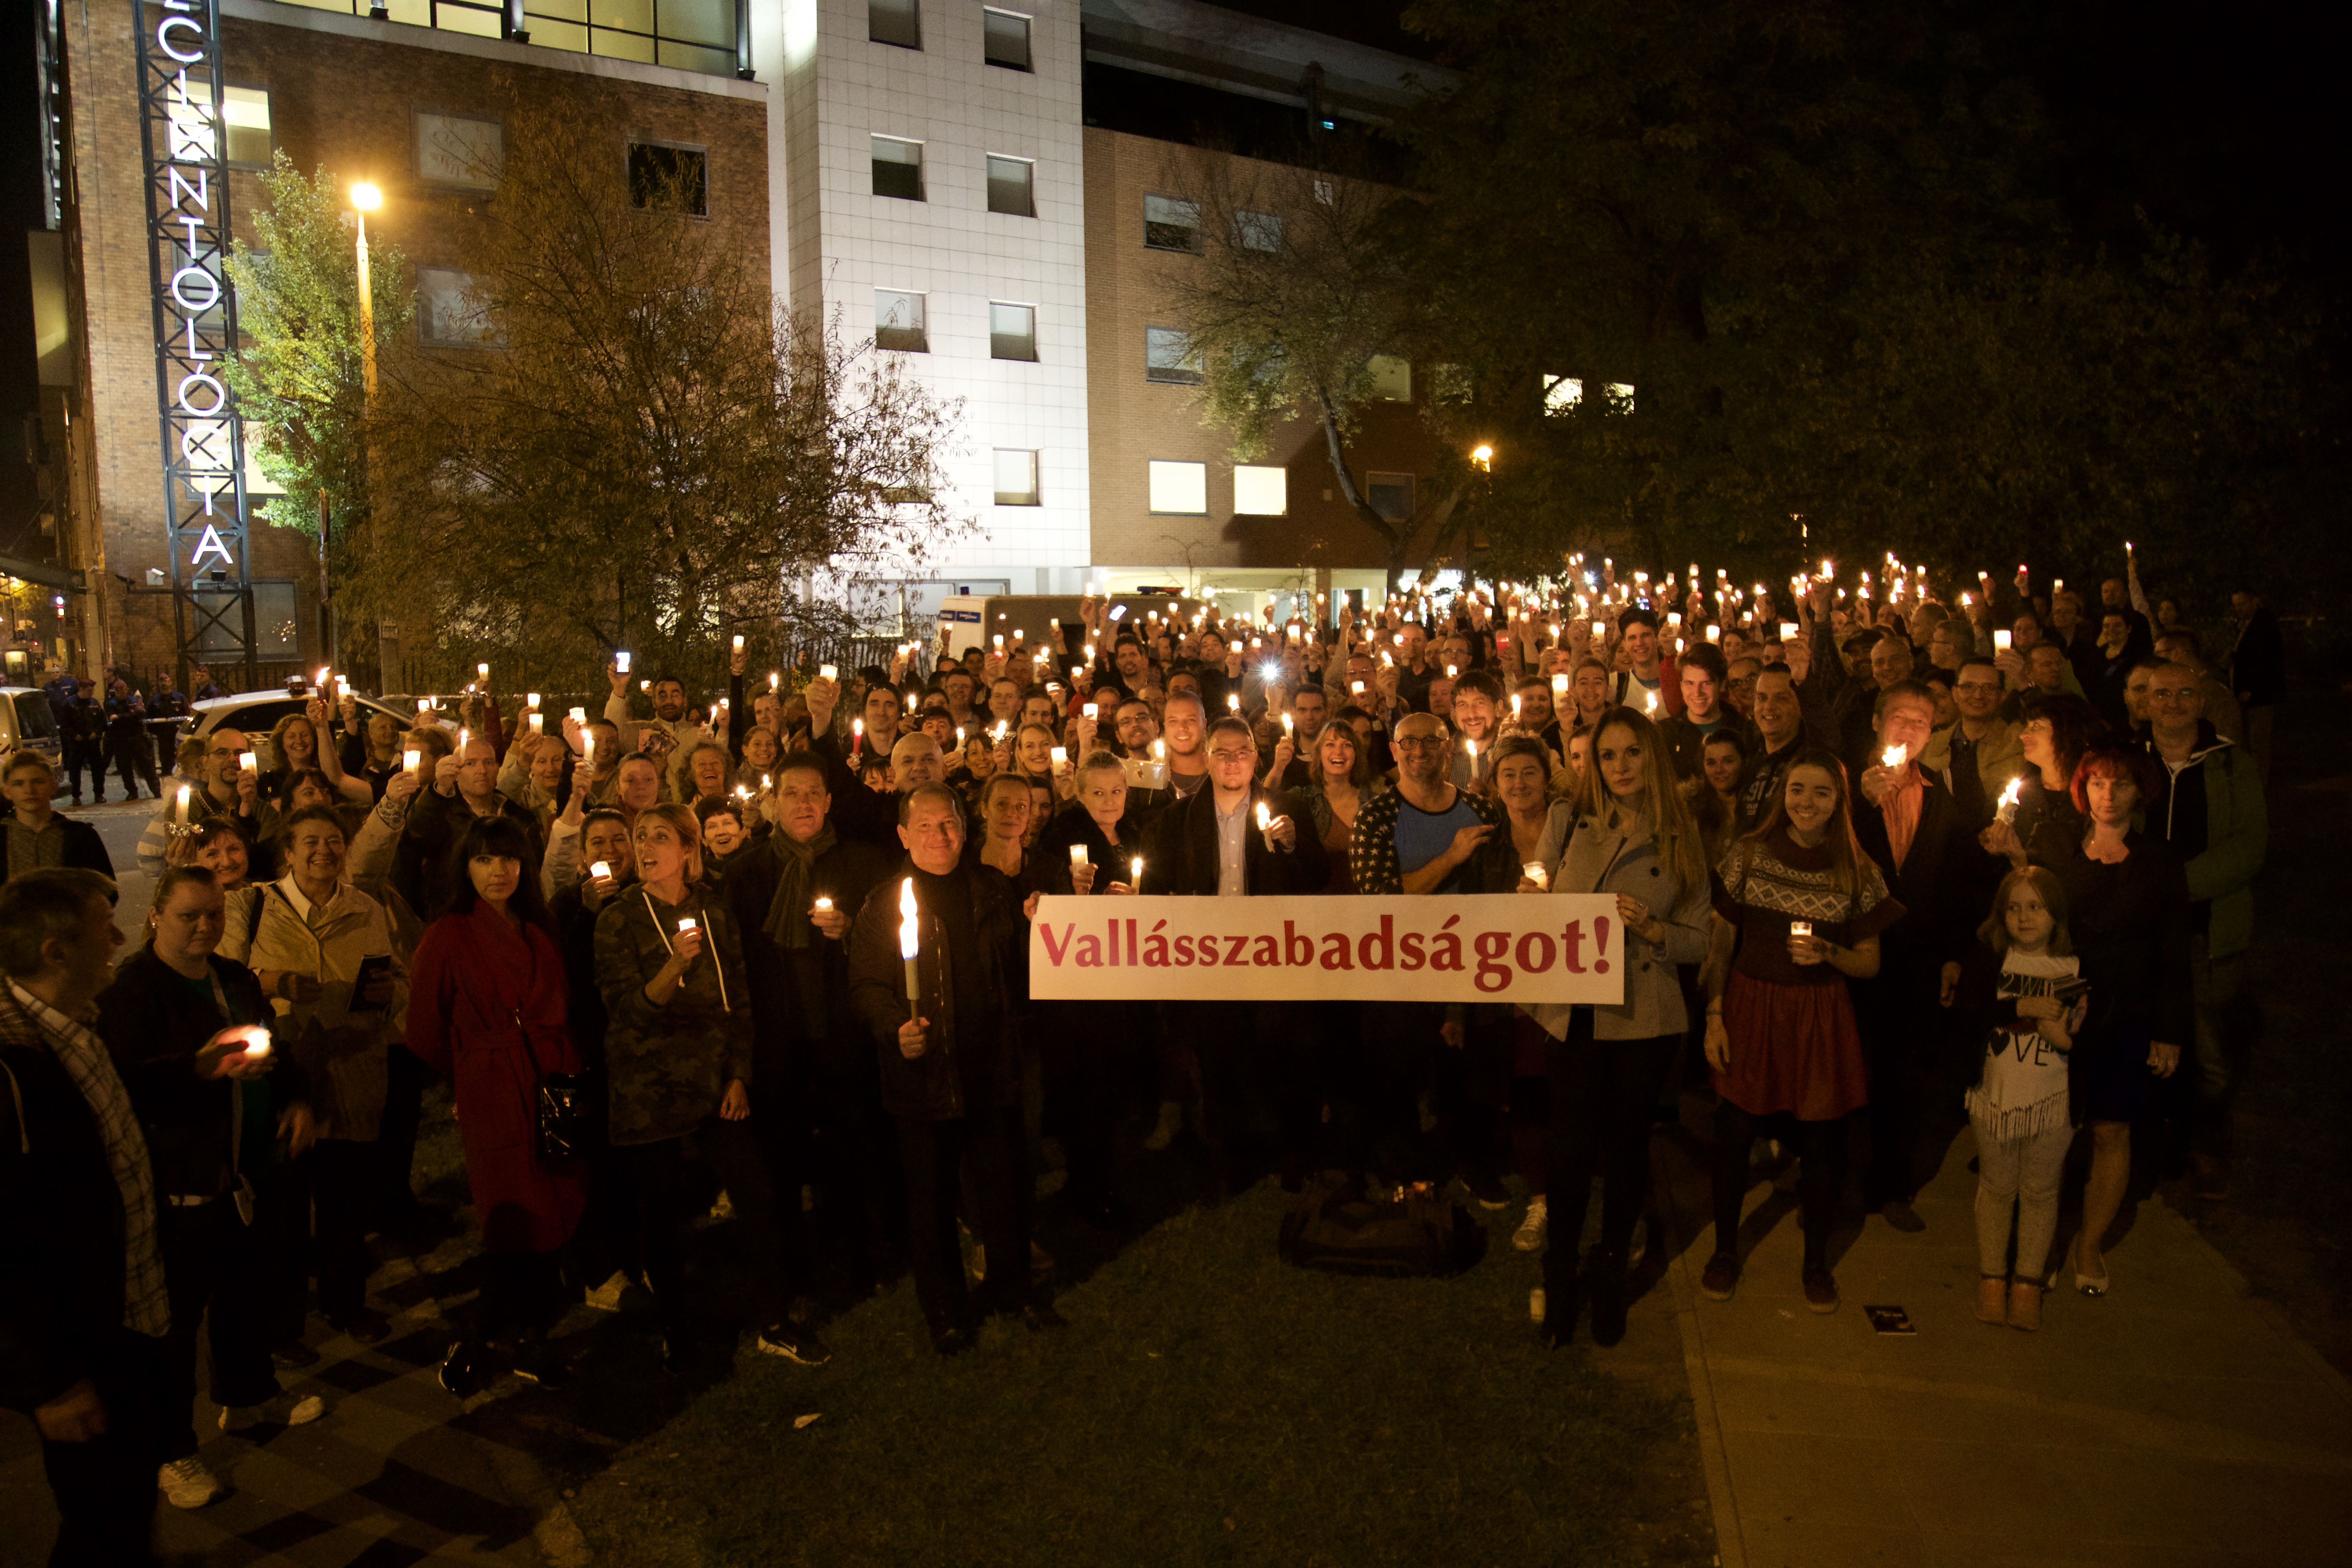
<point>285,1410</point>
<point>189,1483</point>
<point>1529,1236</point>
<point>1536,1306</point>
<point>1172,1121</point>
<point>606,1298</point>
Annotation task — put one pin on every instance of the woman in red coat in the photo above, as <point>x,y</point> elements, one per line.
<point>486,1008</point>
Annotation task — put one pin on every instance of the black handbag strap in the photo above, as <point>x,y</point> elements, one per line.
<point>537,1075</point>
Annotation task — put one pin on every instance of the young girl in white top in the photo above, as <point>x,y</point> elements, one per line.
<point>2020,991</point>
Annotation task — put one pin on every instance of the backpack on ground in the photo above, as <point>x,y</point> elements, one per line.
<point>1339,1226</point>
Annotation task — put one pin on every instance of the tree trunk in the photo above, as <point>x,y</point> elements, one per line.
<point>1379,525</point>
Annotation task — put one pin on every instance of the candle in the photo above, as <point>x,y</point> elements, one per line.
<point>1265,817</point>
<point>1514,706</point>
<point>1801,928</point>
<point>645,686</point>
<point>463,735</point>
<point>1077,854</point>
<point>2008,803</point>
<point>739,642</point>
<point>1135,872</point>
<point>248,762</point>
<point>688,923</point>
<point>1061,755</point>
<point>1233,701</point>
<point>2001,641</point>
<point>1894,757</point>
<point>1000,642</point>
<point>621,661</point>
<point>1713,632</point>
<point>1788,631</point>
<point>1449,672</point>
<point>907,938</point>
<point>530,699</point>
<point>424,706</point>
<point>408,759</point>
<point>482,672</point>
<point>601,870</point>
<point>1534,872</point>
<point>1356,688</point>
<point>824,905</point>
<point>1158,750</point>
<point>323,675</point>
<point>1090,710</point>
<point>580,715</point>
<point>1558,689</point>
<point>256,1043</point>
<point>856,736</point>
<point>183,805</point>
<point>773,679</point>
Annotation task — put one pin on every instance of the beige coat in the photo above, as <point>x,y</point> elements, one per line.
<point>1588,856</point>
<point>2000,755</point>
<point>341,1052</point>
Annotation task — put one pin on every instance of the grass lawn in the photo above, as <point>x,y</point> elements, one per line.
<point>1209,1404</point>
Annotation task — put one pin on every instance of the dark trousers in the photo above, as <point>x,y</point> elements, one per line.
<point>105,1487</point>
<point>218,1266</point>
<point>404,1077</point>
<point>89,756</point>
<point>1257,1062</point>
<point>1604,1096</point>
<point>1401,1042</point>
<point>520,1295</point>
<point>1820,1146</point>
<point>1903,1037</point>
<point>933,1154</point>
<point>1079,1058</point>
<point>666,1195</point>
<point>343,1191</point>
<point>135,755</point>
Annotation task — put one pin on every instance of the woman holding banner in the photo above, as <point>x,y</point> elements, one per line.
<point>1626,832</point>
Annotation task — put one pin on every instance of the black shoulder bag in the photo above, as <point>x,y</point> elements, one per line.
<point>566,1106</point>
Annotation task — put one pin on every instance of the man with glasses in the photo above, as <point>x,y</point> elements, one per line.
<point>1976,756</point>
<point>1427,836</point>
<point>2211,813</point>
<point>1211,846</point>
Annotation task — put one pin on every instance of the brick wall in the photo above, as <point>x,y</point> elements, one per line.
<point>343,92</point>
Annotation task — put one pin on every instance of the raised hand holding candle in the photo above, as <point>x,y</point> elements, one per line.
<point>184,805</point>
<point>601,870</point>
<point>408,759</point>
<point>1894,757</point>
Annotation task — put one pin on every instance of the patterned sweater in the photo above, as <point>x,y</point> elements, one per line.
<point>1372,855</point>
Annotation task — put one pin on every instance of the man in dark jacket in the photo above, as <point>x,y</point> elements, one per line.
<point>819,1113</point>
<point>36,834</point>
<point>128,745</point>
<point>81,739</point>
<point>83,1306</point>
<point>951,1074</point>
<point>1909,824</point>
<point>1210,846</point>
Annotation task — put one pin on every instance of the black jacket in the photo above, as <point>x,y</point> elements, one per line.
<point>930,1088</point>
<point>436,822</point>
<point>61,1224</point>
<point>153,1032</point>
<point>1182,858</point>
<point>84,847</point>
<point>1942,886</point>
<point>801,994</point>
<point>1050,860</point>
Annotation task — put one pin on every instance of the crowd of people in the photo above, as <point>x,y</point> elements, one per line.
<point>1886,863</point>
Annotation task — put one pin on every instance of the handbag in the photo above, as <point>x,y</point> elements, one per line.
<point>565,1123</point>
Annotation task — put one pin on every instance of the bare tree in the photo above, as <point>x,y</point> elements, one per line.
<point>620,440</point>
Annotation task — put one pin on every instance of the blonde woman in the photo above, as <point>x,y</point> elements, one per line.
<point>1625,832</point>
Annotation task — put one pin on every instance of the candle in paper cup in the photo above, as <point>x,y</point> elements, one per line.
<point>482,672</point>
<point>1514,706</point>
<point>1534,872</point>
<point>408,759</point>
<point>1233,701</point>
<point>739,642</point>
<point>686,924</point>
<point>248,762</point>
<point>1289,729</point>
<point>1558,689</point>
<point>579,715</point>
<point>1713,632</point>
<point>1090,711</point>
<point>538,725</point>
<point>423,705</point>
<point>1077,854</point>
<point>256,1043</point>
<point>1356,688</point>
<point>824,905</point>
<point>645,686</point>
<point>1801,928</point>
<point>601,870</point>
<point>828,672</point>
<point>1061,755</point>
<point>2001,641</point>
<point>774,680</point>
<point>1788,631</point>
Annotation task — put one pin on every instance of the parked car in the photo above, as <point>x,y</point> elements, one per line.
<point>27,720</point>
<point>255,712</point>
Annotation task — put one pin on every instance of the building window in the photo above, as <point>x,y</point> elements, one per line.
<point>244,114</point>
<point>1261,491</point>
<point>1180,488</point>
<point>1011,186</point>
<point>1391,495</point>
<point>1258,231</point>
<point>450,312</point>
<point>899,322</point>
<point>898,22</point>
<point>1168,355</point>
<point>1004,38</point>
<point>1171,225</point>
<point>898,168</point>
<point>1621,397</point>
<point>460,151</point>
<point>669,179</point>
<point>1012,331</point>
<point>1017,477</point>
<point>1562,394</point>
<point>1391,377</point>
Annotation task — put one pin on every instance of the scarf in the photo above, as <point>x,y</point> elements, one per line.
<point>788,922</point>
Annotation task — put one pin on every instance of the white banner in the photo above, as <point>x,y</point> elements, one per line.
<point>1472,947</point>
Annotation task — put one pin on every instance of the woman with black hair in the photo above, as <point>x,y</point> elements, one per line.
<point>2046,825</point>
<point>486,1008</point>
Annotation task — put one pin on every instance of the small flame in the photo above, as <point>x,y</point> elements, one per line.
<point>907,917</point>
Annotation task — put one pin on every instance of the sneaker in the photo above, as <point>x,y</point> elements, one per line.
<point>189,1483</point>
<point>606,1298</point>
<point>1529,1236</point>
<point>1487,1189</point>
<point>1720,1278</point>
<point>285,1410</point>
<point>1898,1213</point>
<point>462,1372</point>
<point>794,1343</point>
<point>1821,1290</point>
<point>1536,1306</point>
<point>1172,1121</point>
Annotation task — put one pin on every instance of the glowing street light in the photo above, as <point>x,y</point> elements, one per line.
<point>1484,455</point>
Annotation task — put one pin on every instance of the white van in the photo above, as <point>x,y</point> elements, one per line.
<point>973,620</point>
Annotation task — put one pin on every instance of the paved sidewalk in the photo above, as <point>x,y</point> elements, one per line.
<point>2173,1422</point>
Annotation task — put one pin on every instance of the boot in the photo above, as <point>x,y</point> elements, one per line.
<point>1608,1296</point>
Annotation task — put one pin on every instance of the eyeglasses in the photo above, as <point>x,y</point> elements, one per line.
<point>1419,742</point>
<point>1232,756</point>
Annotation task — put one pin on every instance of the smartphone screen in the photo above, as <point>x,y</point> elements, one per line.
<point>1118,611</point>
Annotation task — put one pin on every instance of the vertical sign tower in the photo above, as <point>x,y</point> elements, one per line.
<point>181,133</point>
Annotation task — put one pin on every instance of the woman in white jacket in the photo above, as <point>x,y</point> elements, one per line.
<point>1625,831</point>
<point>329,961</point>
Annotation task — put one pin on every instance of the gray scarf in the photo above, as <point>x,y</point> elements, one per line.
<point>788,922</point>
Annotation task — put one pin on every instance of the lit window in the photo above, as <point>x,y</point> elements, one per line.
<point>898,168</point>
<point>1391,495</point>
<point>1180,488</point>
<point>1168,355</point>
<point>453,150</point>
<point>1012,331</point>
<point>1261,491</point>
<point>1017,477</point>
<point>669,179</point>
<point>899,322</point>
<point>1011,186</point>
<point>1258,231</point>
<point>246,111</point>
<point>450,312</point>
<point>895,22</point>
<point>1621,397</point>
<point>1171,224</point>
<point>1562,394</point>
<point>1391,377</point>
<point>1005,39</point>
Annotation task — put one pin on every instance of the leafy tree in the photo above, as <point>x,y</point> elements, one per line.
<point>631,446</point>
<point>298,379</point>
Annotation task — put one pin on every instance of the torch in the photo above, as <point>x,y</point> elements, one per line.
<point>907,941</point>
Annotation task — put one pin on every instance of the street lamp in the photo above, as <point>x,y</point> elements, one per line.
<point>1484,457</point>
